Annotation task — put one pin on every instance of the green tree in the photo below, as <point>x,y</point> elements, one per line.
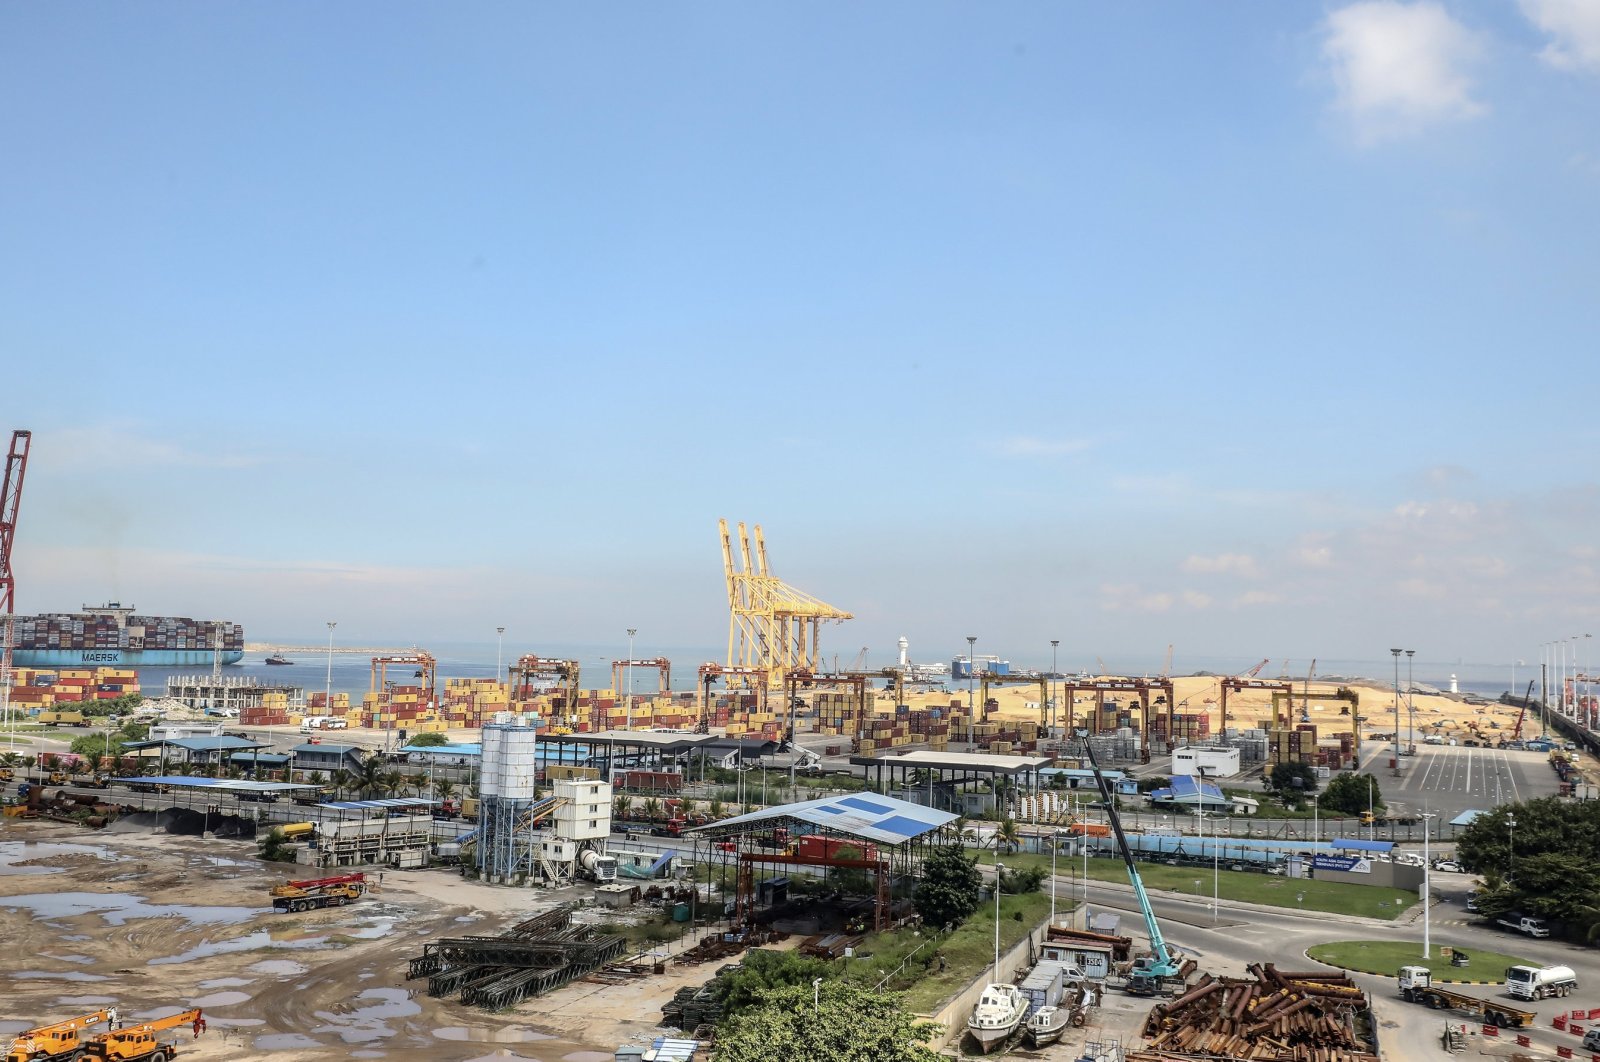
<point>1008,836</point>
<point>1155,782</point>
<point>1025,880</point>
<point>341,780</point>
<point>432,739</point>
<point>1293,777</point>
<point>840,1022</point>
<point>369,777</point>
<point>1349,794</point>
<point>716,809</point>
<point>1538,857</point>
<point>762,971</point>
<point>274,847</point>
<point>652,809</point>
<point>621,806</point>
<point>444,789</point>
<point>950,888</point>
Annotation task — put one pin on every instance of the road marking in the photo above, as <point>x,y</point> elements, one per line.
<point>1470,753</point>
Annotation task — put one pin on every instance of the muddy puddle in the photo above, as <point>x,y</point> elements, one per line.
<point>118,908</point>
<point>279,967</point>
<point>261,939</point>
<point>474,1034</point>
<point>48,857</point>
<point>366,1022</point>
<point>85,1001</point>
<point>225,982</point>
<point>47,975</point>
<point>220,999</point>
<point>284,1042</point>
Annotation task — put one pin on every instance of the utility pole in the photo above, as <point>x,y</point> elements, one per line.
<point>1394,761</point>
<point>1054,674</point>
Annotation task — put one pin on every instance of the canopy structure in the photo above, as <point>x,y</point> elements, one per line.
<point>387,804</point>
<point>230,785</point>
<point>1356,844</point>
<point>883,820</point>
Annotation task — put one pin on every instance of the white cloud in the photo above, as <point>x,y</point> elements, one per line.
<point>1195,599</point>
<point>1574,30</point>
<point>1259,597</point>
<point>1023,446</point>
<point>1400,67</point>
<point>1223,564</point>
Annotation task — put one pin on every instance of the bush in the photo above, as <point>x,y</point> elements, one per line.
<point>275,847</point>
<point>950,887</point>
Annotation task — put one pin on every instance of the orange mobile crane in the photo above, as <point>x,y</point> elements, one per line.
<point>139,1043</point>
<point>61,1041</point>
<point>315,893</point>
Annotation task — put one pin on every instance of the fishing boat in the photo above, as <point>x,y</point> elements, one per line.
<point>277,658</point>
<point>1002,1006</point>
<point>1046,1025</point>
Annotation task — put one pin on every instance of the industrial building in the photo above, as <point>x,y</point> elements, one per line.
<point>1205,761</point>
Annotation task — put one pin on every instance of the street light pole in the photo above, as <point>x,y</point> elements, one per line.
<point>631,632</point>
<point>1511,844</point>
<point>499,651</point>
<point>1427,871</point>
<point>327,690</point>
<point>1411,703</point>
<point>972,670</point>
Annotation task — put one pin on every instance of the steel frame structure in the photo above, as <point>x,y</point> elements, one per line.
<point>771,625</point>
<point>660,664</point>
<point>711,671</point>
<point>522,681</point>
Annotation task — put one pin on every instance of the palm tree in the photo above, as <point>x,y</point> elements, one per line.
<point>959,828</point>
<point>716,809</point>
<point>340,780</point>
<point>418,782</point>
<point>393,782</point>
<point>652,809</point>
<point>1009,835</point>
<point>369,776</point>
<point>621,806</point>
<point>444,789</point>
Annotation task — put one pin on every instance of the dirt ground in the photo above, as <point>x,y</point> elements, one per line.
<point>155,923</point>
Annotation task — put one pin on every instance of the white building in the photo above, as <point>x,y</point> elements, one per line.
<point>1204,761</point>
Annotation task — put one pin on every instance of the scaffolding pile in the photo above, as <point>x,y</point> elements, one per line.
<point>530,959</point>
<point>1274,1017</point>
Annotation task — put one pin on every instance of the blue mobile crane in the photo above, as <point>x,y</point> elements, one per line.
<point>1151,971</point>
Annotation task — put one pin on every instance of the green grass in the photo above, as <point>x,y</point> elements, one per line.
<point>967,951</point>
<point>1387,956</point>
<point>1334,897</point>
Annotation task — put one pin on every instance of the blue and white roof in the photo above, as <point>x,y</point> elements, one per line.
<point>1358,844</point>
<point>865,815</point>
<point>1187,789</point>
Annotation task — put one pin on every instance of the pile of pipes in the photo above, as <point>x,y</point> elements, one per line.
<point>531,958</point>
<point>1121,947</point>
<point>1274,1017</point>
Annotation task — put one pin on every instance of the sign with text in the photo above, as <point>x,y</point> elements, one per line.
<point>1349,864</point>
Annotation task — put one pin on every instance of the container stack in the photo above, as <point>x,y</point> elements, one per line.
<point>408,708</point>
<point>40,687</point>
<point>471,702</point>
<point>322,704</point>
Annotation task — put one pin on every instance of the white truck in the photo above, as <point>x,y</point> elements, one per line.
<point>1538,982</point>
<point>312,723</point>
<point>1521,923</point>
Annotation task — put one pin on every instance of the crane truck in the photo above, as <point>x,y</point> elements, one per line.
<point>139,1043</point>
<point>314,893</point>
<point>58,1042</point>
<point>1156,972</point>
<point>1416,986</point>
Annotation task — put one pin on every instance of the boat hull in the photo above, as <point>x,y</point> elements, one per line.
<point>989,1039</point>
<point>46,658</point>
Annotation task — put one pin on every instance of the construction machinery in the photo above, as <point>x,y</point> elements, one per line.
<point>315,893</point>
<point>140,1043</point>
<point>1157,972</point>
<point>1416,986</point>
<point>771,625</point>
<point>661,665</point>
<point>1516,731</point>
<point>10,501</point>
<point>59,1042</point>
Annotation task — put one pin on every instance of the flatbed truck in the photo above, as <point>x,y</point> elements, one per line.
<point>1416,986</point>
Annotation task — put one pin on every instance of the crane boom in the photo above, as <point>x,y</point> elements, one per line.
<point>1163,964</point>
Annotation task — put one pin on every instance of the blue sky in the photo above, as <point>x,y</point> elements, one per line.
<point>1259,329</point>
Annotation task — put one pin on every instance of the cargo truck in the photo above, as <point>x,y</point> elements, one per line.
<point>315,893</point>
<point>1539,982</point>
<point>1521,923</point>
<point>1416,986</point>
<point>57,1042</point>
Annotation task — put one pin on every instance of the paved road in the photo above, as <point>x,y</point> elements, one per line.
<point>1452,779</point>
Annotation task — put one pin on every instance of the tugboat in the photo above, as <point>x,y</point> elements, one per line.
<point>277,658</point>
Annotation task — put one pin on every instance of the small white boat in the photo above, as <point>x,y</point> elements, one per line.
<point>998,1013</point>
<point>1046,1025</point>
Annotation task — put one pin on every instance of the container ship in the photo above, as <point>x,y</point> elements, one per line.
<point>114,636</point>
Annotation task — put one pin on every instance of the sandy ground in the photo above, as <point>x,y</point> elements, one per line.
<point>156,923</point>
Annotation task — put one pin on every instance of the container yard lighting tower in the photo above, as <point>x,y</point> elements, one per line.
<point>1054,674</point>
<point>972,669</point>
<point>499,649</point>
<point>1411,702</point>
<point>1395,761</point>
<point>327,691</point>
<point>631,632</point>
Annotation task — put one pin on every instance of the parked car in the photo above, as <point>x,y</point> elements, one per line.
<point>1448,866</point>
<point>1472,901</point>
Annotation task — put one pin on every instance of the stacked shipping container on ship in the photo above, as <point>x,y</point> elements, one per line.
<point>112,635</point>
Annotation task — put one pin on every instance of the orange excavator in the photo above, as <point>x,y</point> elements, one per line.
<point>139,1043</point>
<point>62,1041</point>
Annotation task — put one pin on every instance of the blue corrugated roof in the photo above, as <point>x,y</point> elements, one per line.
<point>873,818</point>
<point>1466,818</point>
<point>447,750</point>
<point>187,781</point>
<point>1356,844</point>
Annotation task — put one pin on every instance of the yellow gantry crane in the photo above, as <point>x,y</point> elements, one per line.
<point>771,625</point>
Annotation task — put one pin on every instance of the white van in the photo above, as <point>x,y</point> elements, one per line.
<point>313,723</point>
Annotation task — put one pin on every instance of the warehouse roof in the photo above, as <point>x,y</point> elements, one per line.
<point>447,750</point>
<point>992,763</point>
<point>185,781</point>
<point>666,740</point>
<point>268,759</point>
<point>1356,844</point>
<point>390,804</point>
<point>1187,789</point>
<point>865,815</point>
<point>337,750</point>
